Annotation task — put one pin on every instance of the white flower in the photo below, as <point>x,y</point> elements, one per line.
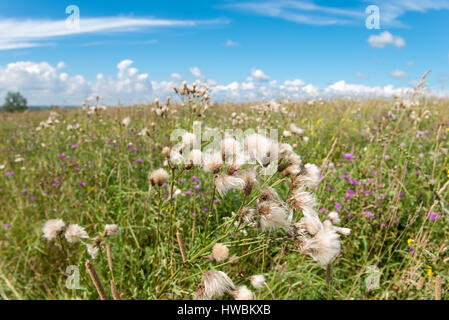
<point>126,121</point>
<point>53,228</point>
<point>75,233</point>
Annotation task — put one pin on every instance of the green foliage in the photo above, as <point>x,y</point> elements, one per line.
<point>14,101</point>
<point>400,165</point>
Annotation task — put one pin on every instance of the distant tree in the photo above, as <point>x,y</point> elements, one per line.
<point>14,101</point>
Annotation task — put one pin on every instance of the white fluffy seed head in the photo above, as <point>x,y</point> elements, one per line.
<point>261,149</point>
<point>294,129</point>
<point>126,121</point>
<point>312,175</point>
<point>257,281</point>
<point>212,162</point>
<point>343,231</point>
<point>242,293</point>
<point>224,183</point>
<point>333,217</point>
<point>230,147</point>
<point>325,245</point>
<point>220,252</point>
<point>75,233</point>
<point>111,230</point>
<point>285,149</point>
<point>188,139</point>
<point>158,177</point>
<point>273,216</point>
<point>302,200</point>
<point>195,157</point>
<point>52,228</point>
<point>310,222</point>
<point>92,250</point>
<point>166,152</point>
<point>250,179</point>
<point>216,284</point>
<point>247,214</point>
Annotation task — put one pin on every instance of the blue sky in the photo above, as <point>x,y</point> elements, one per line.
<point>136,50</point>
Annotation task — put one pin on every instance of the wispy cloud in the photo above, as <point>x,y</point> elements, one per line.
<point>391,11</point>
<point>308,12</point>
<point>230,43</point>
<point>305,12</point>
<point>399,74</point>
<point>30,33</point>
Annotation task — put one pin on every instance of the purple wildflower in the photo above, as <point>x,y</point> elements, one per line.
<point>432,216</point>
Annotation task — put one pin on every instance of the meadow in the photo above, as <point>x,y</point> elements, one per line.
<point>368,176</point>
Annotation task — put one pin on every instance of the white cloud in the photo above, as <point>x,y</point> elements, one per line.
<point>44,84</point>
<point>176,77</point>
<point>259,75</point>
<point>399,74</point>
<point>230,43</point>
<point>41,82</point>
<point>196,72</point>
<point>30,33</point>
<point>386,38</point>
<point>343,88</point>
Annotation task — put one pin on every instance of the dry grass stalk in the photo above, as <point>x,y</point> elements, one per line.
<point>114,291</point>
<point>438,287</point>
<point>181,247</point>
<point>93,275</point>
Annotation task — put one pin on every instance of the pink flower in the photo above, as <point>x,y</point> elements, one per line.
<point>348,156</point>
<point>62,155</point>
<point>82,184</point>
<point>369,214</point>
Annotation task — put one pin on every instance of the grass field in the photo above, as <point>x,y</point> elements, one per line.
<point>384,169</point>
